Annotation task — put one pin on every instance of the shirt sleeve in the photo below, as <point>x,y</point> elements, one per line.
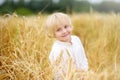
<point>56,53</point>
<point>81,57</point>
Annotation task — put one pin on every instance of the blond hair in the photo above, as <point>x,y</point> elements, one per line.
<point>54,20</point>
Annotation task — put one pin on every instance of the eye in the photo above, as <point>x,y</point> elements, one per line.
<point>66,26</point>
<point>59,29</point>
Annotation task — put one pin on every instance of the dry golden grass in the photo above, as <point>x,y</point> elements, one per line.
<point>24,47</point>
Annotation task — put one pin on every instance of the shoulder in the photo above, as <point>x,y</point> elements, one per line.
<point>56,48</point>
<point>55,51</point>
<point>75,38</point>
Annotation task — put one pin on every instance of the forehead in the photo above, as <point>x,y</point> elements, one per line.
<point>62,21</point>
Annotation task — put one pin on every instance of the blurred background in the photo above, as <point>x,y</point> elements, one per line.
<point>28,7</point>
<point>24,46</point>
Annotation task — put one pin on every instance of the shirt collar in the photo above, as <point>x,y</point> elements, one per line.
<point>64,43</point>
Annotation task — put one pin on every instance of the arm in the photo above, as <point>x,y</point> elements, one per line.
<point>58,61</point>
<point>81,57</point>
<point>57,54</point>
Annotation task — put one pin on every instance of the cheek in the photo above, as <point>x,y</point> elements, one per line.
<point>70,29</point>
<point>57,34</point>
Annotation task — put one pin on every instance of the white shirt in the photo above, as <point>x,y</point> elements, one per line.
<point>75,50</point>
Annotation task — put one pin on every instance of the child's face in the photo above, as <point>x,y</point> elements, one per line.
<point>63,33</point>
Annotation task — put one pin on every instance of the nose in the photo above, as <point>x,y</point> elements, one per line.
<point>64,30</point>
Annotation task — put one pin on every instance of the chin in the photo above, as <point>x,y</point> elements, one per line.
<point>66,40</point>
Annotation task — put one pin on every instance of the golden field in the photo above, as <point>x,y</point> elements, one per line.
<point>24,46</point>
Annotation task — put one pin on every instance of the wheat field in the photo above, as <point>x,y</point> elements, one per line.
<point>24,46</point>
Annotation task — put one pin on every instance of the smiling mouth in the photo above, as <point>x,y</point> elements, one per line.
<point>65,35</point>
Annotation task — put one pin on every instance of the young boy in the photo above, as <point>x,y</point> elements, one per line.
<point>66,46</point>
